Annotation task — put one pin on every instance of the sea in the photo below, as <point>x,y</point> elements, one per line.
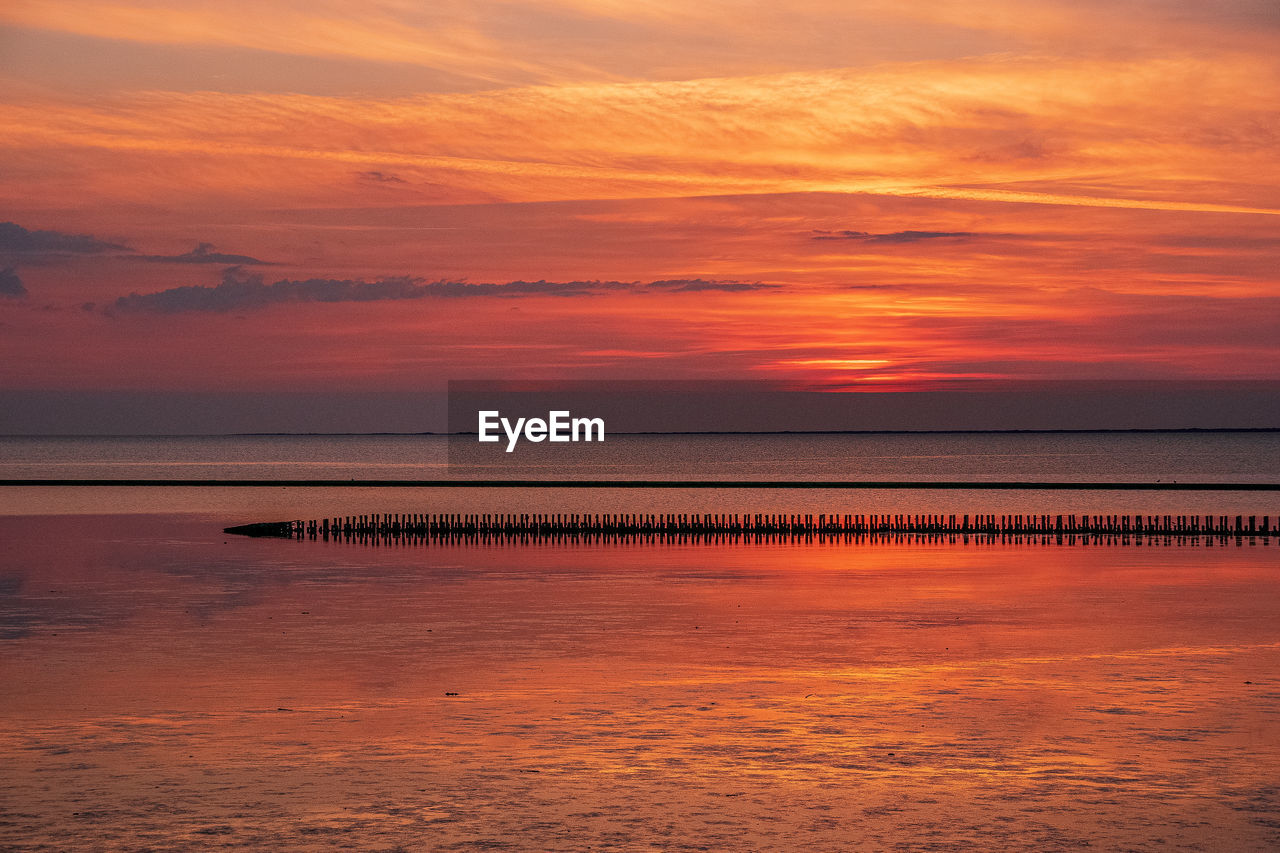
<point>168,686</point>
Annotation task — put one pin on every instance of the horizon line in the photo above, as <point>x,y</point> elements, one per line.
<point>1043,431</point>
<point>994,485</point>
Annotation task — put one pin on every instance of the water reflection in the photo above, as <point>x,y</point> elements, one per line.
<point>171,686</point>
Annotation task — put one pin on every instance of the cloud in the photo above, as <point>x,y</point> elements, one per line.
<point>204,254</point>
<point>696,285</point>
<point>18,241</point>
<point>381,177</point>
<point>10,284</point>
<point>238,291</point>
<point>1174,133</point>
<point>894,236</point>
<point>20,244</point>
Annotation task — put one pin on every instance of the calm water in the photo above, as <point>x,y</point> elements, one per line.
<point>169,688</point>
<point>1114,457</point>
<point>1201,457</point>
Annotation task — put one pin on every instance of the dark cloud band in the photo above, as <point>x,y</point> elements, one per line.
<point>238,291</point>
<point>18,241</point>
<point>891,237</point>
<point>204,254</point>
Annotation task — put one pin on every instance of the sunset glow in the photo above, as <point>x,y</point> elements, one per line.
<point>867,192</point>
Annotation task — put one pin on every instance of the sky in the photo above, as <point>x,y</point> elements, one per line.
<point>382,196</point>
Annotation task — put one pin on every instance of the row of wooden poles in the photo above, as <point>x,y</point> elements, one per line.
<point>720,525</point>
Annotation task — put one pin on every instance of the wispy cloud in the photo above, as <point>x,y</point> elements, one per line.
<point>891,237</point>
<point>238,291</point>
<point>381,177</point>
<point>204,254</point>
<point>1188,126</point>
<point>551,41</point>
<point>697,284</point>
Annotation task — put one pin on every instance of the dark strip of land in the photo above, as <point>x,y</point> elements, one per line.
<point>669,484</point>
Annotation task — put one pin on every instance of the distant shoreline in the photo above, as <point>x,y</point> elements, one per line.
<point>992,485</point>
<point>1180,430</point>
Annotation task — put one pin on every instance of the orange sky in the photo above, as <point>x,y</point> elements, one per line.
<point>886,193</point>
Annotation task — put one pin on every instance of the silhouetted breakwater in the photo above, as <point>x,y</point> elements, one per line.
<point>749,527</point>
